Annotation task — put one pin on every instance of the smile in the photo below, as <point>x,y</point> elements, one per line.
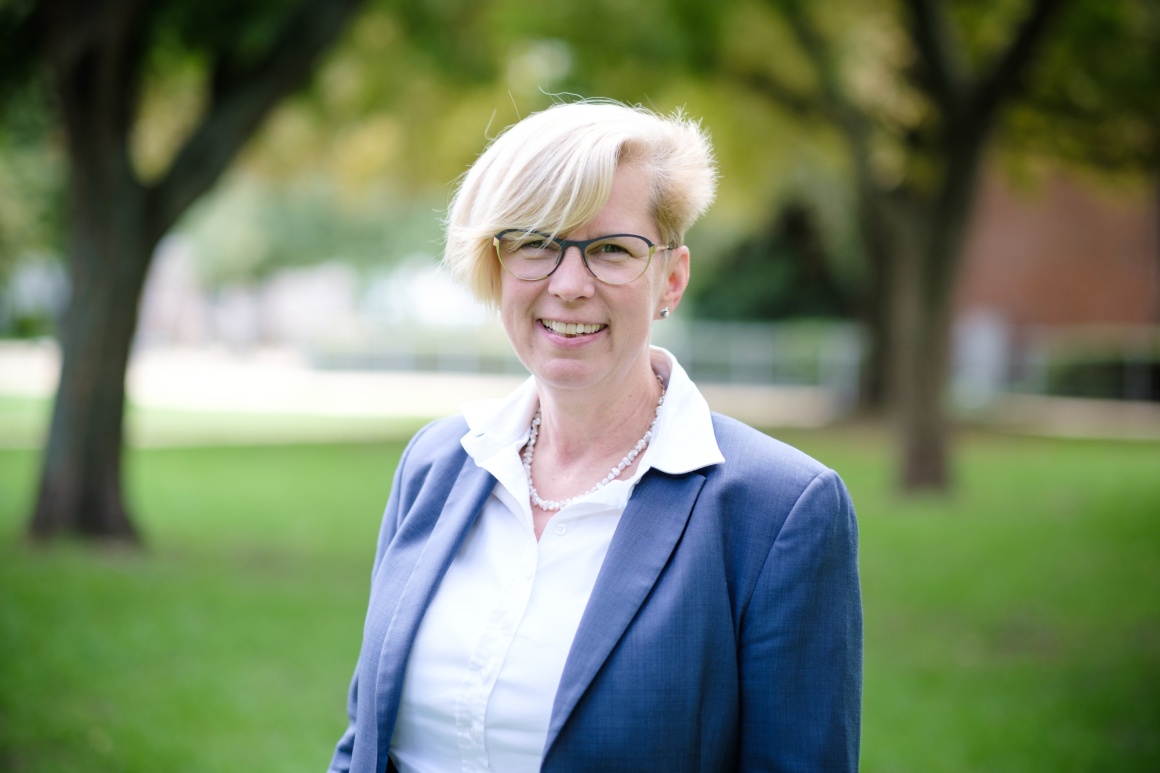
<point>571,328</point>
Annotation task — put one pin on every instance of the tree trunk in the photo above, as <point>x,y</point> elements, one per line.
<point>95,50</point>
<point>876,304</point>
<point>934,241</point>
<point>80,489</point>
<point>918,364</point>
<point>921,377</point>
<point>968,108</point>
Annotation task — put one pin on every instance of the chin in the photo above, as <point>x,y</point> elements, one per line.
<point>567,373</point>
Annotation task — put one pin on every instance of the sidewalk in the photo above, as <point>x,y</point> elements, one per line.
<point>275,383</point>
<point>275,396</point>
<point>1073,417</point>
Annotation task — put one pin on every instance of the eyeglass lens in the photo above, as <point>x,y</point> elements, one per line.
<point>615,259</point>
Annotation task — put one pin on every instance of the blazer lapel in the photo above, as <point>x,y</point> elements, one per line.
<point>453,518</point>
<point>648,532</point>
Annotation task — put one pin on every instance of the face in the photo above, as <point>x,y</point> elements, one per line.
<point>573,331</point>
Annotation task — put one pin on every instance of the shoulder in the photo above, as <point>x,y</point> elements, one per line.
<point>430,463</point>
<point>437,438</point>
<point>749,452</point>
<point>764,482</point>
<point>770,499</point>
<point>433,448</point>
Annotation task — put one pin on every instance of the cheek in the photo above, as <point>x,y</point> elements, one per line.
<point>656,289</point>
<point>513,299</point>
<point>516,302</point>
<point>510,314</point>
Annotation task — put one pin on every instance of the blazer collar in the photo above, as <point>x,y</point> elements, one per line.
<point>648,533</point>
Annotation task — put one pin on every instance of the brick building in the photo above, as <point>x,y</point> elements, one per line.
<point>1058,273</point>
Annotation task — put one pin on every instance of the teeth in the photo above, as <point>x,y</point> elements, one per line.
<point>571,328</point>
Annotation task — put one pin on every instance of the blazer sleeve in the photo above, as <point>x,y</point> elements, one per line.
<point>800,652</point>
<point>341,761</point>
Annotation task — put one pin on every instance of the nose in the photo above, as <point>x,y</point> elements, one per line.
<point>572,279</point>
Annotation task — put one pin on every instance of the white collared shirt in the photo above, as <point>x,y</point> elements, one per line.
<point>487,659</point>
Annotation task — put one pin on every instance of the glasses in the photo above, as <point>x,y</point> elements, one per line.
<point>616,259</point>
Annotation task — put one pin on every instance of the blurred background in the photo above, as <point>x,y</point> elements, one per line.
<point>934,263</point>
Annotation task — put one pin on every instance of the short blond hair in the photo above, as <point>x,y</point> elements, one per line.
<point>552,172</point>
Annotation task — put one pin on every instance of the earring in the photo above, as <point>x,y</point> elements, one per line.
<point>665,312</point>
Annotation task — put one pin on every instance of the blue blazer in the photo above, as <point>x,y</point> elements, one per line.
<point>724,631</point>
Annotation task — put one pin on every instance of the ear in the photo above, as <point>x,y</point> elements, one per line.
<point>674,281</point>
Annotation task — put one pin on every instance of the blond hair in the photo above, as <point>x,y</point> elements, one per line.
<point>552,172</point>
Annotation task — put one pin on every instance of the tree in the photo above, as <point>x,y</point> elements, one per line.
<point>780,272</point>
<point>98,54</point>
<point>1093,103</point>
<point>933,127</point>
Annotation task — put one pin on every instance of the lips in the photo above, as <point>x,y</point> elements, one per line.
<point>571,329</point>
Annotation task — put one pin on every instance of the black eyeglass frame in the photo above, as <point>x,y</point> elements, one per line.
<point>582,245</point>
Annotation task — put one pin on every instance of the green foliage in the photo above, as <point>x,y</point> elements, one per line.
<point>413,92</point>
<point>1011,628</point>
<point>232,35</point>
<point>18,55</point>
<point>31,162</point>
<point>450,36</point>
<point>1093,99</point>
<point>780,273</point>
<point>409,98</point>
<point>1109,377</point>
<point>31,190</point>
<point>252,228</point>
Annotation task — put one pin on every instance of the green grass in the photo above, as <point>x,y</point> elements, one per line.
<point>1014,627</point>
<point>1017,626</point>
<point>226,646</point>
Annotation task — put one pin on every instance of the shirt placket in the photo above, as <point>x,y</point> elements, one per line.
<point>487,658</point>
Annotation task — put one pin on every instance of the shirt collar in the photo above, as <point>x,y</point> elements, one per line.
<point>684,435</point>
<point>682,442</point>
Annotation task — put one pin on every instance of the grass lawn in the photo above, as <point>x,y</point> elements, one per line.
<point>1013,627</point>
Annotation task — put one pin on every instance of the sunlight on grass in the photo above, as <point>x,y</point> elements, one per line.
<point>1012,627</point>
<point>24,423</point>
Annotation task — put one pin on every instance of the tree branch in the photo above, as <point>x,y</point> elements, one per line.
<point>833,103</point>
<point>814,46</point>
<point>95,49</point>
<point>1010,66</point>
<point>243,100</point>
<point>938,47</point>
<point>21,33</point>
<point>778,91</point>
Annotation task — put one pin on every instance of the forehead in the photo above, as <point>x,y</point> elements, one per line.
<point>628,208</point>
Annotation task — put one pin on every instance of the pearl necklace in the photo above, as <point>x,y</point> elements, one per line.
<point>613,474</point>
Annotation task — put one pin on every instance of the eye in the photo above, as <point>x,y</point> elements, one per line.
<point>529,245</point>
<point>610,250</point>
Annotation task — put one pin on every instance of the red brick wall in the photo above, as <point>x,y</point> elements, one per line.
<point>1063,253</point>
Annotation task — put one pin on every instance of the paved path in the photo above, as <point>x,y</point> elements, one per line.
<point>274,383</point>
<point>278,382</point>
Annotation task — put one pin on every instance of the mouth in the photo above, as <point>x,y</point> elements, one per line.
<point>571,329</point>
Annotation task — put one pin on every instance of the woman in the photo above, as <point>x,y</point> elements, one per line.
<point>597,573</point>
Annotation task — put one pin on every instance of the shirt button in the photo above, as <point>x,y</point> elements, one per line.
<point>561,528</point>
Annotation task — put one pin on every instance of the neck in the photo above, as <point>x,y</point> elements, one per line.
<point>566,468</point>
<point>575,427</point>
